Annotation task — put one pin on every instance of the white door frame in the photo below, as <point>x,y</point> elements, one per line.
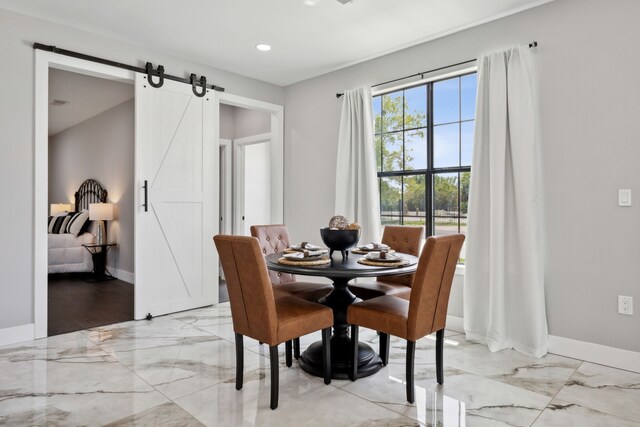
<point>277,144</point>
<point>238,177</point>
<point>44,61</point>
<point>227,188</point>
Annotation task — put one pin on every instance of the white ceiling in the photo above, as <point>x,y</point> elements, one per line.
<point>88,96</point>
<point>309,37</point>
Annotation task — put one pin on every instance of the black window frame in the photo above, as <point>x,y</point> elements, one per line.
<point>430,172</point>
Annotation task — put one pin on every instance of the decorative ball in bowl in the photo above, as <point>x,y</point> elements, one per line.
<point>340,240</point>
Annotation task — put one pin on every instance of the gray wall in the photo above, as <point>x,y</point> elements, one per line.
<point>251,122</point>
<point>227,121</point>
<point>236,122</point>
<point>101,148</point>
<point>17,34</point>
<point>588,63</point>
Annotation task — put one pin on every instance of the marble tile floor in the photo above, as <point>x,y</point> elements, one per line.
<point>180,370</point>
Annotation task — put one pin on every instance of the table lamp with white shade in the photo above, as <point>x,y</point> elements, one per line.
<point>101,212</point>
<point>57,208</point>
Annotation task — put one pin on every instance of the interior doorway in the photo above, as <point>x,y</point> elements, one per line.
<point>251,153</point>
<point>252,193</point>
<point>145,105</point>
<point>90,165</point>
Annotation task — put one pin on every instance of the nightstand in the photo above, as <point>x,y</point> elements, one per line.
<point>99,256</point>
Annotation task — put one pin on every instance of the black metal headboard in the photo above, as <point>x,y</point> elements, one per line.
<point>90,191</point>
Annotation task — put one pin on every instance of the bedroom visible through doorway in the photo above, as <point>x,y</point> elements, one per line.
<point>90,194</point>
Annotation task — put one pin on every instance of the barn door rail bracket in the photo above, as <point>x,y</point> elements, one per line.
<point>151,72</point>
<point>202,84</point>
<point>157,73</point>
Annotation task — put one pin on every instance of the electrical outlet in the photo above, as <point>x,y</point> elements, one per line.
<point>625,305</point>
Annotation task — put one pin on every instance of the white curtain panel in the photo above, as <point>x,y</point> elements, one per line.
<point>356,175</point>
<point>504,303</point>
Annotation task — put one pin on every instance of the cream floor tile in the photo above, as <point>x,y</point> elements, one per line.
<point>123,374</point>
<point>561,414</point>
<point>140,334</point>
<point>609,390</point>
<point>70,383</point>
<point>546,375</point>
<point>170,354</point>
<point>466,398</point>
<point>188,365</point>
<point>304,401</point>
<point>167,414</point>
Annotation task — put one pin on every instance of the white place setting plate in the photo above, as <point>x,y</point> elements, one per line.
<point>375,256</point>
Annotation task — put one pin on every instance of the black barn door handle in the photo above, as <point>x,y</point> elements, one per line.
<point>146,201</point>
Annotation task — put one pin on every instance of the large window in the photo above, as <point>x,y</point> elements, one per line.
<point>424,138</point>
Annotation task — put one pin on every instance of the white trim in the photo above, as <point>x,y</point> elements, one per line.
<point>227,170</point>
<point>581,350</point>
<point>595,353</point>
<point>17,334</point>
<point>253,139</point>
<point>43,61</point>
<point>277,144</point>
<point>455,323</point>
<point>125,276</point>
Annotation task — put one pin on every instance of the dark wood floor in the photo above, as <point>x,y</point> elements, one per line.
<point>75,304</point>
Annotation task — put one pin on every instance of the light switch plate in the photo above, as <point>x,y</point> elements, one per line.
<point>624,197</point>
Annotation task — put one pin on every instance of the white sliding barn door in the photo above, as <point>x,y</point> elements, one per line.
<point>176,265</point>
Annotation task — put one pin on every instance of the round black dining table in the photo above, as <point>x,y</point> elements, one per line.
<point>340,272</point>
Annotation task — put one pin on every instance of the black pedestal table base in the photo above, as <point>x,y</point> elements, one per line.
<point>368,361</point>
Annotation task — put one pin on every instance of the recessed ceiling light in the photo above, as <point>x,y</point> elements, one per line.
<point>263,47</point>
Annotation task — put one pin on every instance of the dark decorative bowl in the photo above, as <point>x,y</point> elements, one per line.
<point>340,240</point>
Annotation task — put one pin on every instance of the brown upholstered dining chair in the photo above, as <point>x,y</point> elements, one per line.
<point>401,238</point>
<point>256,313</point>
<point>275,238</point>
<point>424,313</point>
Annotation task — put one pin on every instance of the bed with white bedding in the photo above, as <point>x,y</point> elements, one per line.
<point>65,251</point>
<point>67,255</point>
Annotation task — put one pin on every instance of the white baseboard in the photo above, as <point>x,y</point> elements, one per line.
<point>595,353</point>
<point>123,275</point>
<point>587,351</point>
<point>455,323</point>
<point>17,334</point>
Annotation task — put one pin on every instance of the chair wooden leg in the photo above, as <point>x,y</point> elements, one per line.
<point>239,360</point>
<point>411,356</point>
<point>439,354</point>
<point>296,348</point>
<point>287,351</point>
<point>326,354</point>
<point>275,375</point>
<point>384,348</point>
<point>353,374</point>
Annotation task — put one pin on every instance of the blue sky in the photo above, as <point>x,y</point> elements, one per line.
<point>454,100</point>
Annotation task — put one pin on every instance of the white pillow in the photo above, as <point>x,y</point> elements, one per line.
<point>76,222</point>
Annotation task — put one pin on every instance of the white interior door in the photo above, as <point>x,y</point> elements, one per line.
<point>257,186</point>
<point>253,190</point>
<point>176,263</point>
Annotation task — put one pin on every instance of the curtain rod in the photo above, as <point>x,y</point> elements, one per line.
<point>338,95</point>
<point>158,73</point>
